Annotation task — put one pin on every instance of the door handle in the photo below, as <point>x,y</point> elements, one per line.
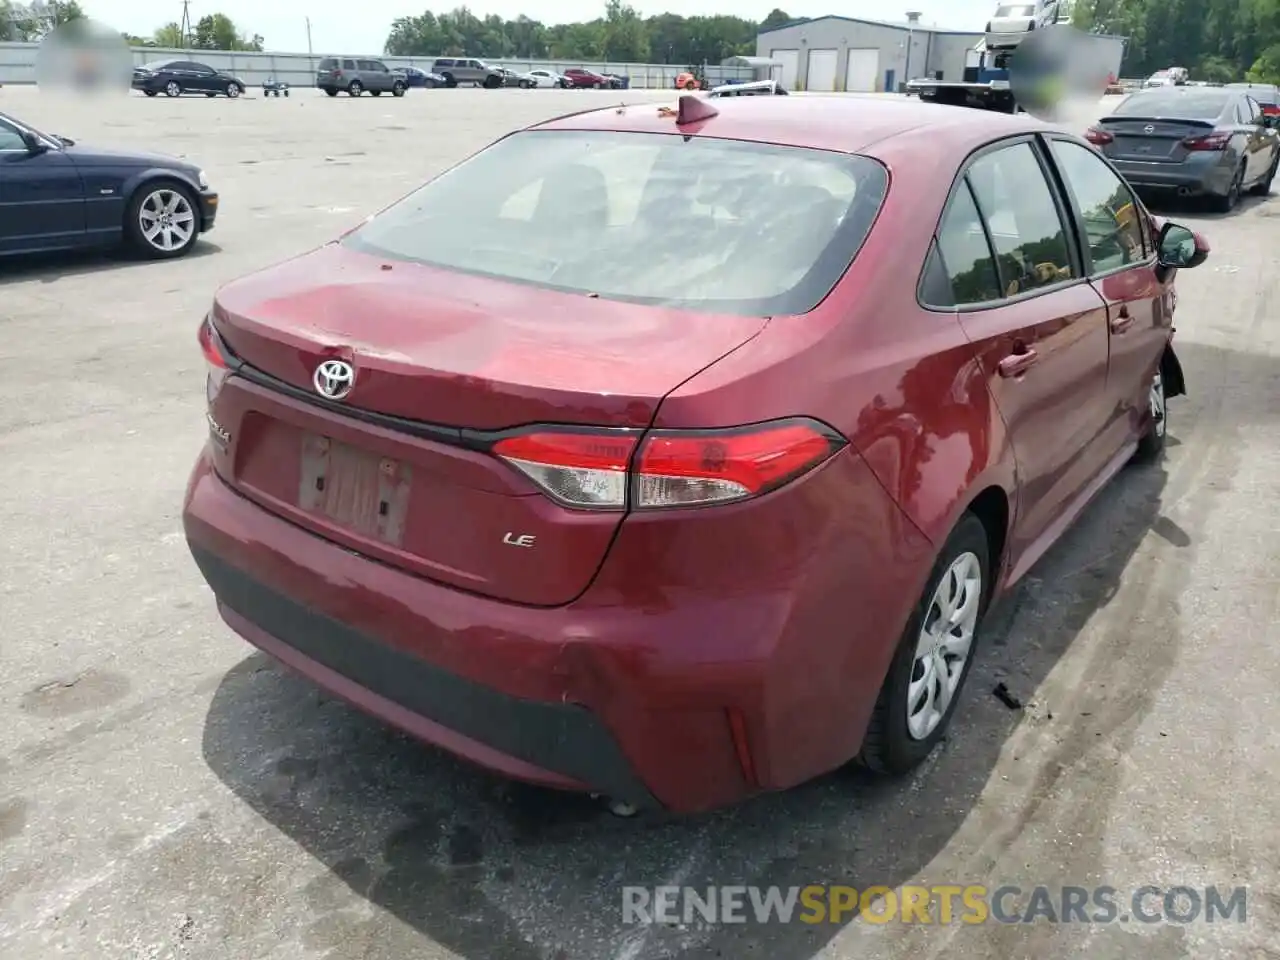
<point>1121,321</point>
<point>1016,364</point>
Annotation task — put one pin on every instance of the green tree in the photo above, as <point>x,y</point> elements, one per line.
<point>217,31</point>
<point>619,36</point>
<point>169,36</point>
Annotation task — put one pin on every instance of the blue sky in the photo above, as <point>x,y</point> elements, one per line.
<point>337,28</point>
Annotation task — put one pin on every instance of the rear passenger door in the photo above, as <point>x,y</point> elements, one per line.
<point>1014,271</point>
<point>203,78</point>
<point>1120,261</point>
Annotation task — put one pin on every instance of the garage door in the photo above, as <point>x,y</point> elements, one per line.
<point>822,71</point>
<point>862,71</point>
<point>786,74</point>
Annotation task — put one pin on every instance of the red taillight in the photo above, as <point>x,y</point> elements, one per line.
<point>1270,110</point>
<point>1098,137</point>
<point>211,346</point>
<point>1211,141</point>
<point>671,468</point>
<point>216,358</point>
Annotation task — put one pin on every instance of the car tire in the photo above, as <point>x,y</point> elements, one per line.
<point>1152,443</point>
<point>492,83</point>
<point>355,88</point>
<point>1225,203</point>
<point>397,89</point>
<point>449,80</point>
<point>330,91</point>
<point>151,198</point>
<point>286,93</point>
<point>173,89</point>
<point>234,90</point>
<point>1263,187</point>
<point>902,733</point>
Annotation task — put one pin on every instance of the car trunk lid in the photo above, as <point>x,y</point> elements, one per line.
<point>399,470</point>
<point>1151,140</point>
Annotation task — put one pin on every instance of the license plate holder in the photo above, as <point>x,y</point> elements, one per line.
<point>360,491</point>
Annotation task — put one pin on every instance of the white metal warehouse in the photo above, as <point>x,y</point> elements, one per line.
<point>842,53</point>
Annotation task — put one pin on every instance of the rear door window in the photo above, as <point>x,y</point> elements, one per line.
<point>962,270</point>
<point>348,64</point>
<point>1022,215</point>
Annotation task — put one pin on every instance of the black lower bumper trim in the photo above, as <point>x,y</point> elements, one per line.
<point>559,737</point>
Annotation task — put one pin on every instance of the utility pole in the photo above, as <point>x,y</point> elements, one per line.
<point>310,55</point>
<point>185,26</point>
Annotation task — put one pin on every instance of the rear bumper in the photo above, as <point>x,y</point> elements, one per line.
<point>688,694</point>
<point>1211,177</point>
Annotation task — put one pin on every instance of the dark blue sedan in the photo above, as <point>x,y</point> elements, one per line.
<point>421,78</point>
<point>56,194</point>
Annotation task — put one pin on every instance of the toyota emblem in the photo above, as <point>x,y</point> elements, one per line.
<point>334,379</point>
<point>1149,128</point>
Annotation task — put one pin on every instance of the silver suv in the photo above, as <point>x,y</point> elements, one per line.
<point>456,70</point>
<point>356,76</point>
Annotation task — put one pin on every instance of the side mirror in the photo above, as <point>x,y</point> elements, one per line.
<point>34,144</point>
<point>1181,247</point>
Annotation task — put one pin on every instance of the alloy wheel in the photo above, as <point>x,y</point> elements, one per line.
<point>172,89</point>
<point>944,645</point>
<point>166,220</point>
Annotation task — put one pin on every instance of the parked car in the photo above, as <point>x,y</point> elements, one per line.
<point>513,78</point>
<point>63,195</point>
<point>853,413</point>
<point>1267,95</point>
<point>173,78</point>
<point>548,78</point>
<point>271,87</point>
<point>357,75</point>
<point>1195,141</point>
<point>580,79</point>
<point>421,78</point>
<point>1171,77</point>
<point>687,81</point>
<point>457,70</point>
<point>1019,18</point>
<point>748,88</point>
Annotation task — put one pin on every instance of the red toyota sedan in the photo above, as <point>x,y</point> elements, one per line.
<point>677,523</point>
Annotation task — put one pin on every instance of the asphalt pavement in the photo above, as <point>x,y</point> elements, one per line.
<point>166,792</point>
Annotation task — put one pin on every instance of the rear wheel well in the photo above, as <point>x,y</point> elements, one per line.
<point>991,507</point>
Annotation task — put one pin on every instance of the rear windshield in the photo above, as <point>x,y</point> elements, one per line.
<point>704,224</point>
<point>1181,103</point>
<point>329,64</point>
<point>1015,12</point>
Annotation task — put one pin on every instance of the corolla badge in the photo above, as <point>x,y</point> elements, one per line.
<point>334,379</point>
